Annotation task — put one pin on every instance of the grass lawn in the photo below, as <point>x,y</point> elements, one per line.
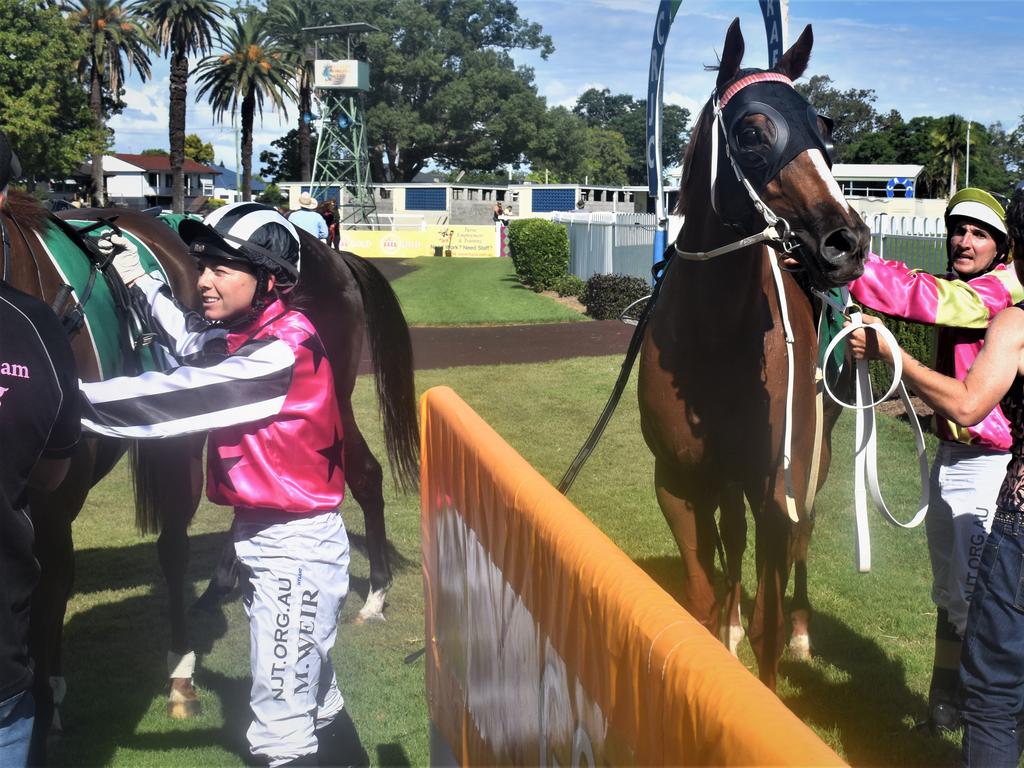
<point>473,292</point>
<point>872,633</point>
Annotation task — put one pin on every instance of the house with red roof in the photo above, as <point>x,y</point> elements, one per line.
<point>144,181</point>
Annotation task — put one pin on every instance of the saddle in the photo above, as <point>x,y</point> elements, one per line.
<point>102,308</point>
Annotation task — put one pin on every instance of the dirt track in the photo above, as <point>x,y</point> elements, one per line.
<point>449,347</point>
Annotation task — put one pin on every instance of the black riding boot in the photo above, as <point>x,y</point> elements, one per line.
<point>943,709</point>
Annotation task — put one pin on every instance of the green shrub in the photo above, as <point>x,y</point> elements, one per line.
<point>540,252</point>
<point>569,285</point>
<point>917,339</point>
<point>606,296</point>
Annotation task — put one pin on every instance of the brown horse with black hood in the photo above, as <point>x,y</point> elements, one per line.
<point>722,348</point>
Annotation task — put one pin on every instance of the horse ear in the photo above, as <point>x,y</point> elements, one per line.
<point>794,61</point>
<point>732,54</point>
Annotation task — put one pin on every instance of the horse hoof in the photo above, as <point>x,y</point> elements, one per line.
<point>734,638</point>
<point>800,647</point>
<point>373,608</point>
<point>183,701</point>
<point>369,617</point>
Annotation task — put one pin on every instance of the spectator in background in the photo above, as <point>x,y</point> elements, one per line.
<point>39,429</point>
<point>307,218</point>
<point>331,219</point>
<point>498,214</point>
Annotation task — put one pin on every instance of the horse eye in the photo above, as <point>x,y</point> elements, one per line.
<point>749,137</point>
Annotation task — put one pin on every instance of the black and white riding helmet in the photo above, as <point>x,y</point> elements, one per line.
<point>248,232</point>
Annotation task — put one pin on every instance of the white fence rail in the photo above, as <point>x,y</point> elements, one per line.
<point>623,243</point>
<point>612,243</point>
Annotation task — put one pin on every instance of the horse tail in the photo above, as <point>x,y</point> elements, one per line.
<point>391,350</point>
<point>144,482</point>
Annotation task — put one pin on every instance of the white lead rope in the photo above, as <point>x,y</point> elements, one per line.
<point>866,444</point>
<point>787,444</point>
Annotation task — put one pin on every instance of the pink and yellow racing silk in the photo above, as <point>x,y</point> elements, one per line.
<point>961,308</point>
<point>293,460</point>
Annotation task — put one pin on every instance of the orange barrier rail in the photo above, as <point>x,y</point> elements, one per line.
<point>546,644</point>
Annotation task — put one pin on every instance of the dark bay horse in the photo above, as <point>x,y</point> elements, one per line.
<point>714,366</point>
<point>342,294</point>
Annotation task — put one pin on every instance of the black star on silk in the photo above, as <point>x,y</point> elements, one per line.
<point>333,454</point>
<point>226,464</point>
<point>314,345</point>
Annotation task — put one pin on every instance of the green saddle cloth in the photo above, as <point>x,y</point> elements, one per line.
<point>102,323</point>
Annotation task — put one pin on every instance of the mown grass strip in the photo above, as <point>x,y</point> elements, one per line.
<point>444,291</point>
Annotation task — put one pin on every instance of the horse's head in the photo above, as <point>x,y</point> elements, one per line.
<point>772,161</point>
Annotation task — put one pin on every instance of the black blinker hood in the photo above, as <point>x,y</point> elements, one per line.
<point>796,125</point>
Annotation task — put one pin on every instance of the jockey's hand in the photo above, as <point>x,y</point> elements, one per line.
<point>126,256</point>
<point>867,345</point>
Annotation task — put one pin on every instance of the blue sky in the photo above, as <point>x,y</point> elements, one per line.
<point>921,57</point>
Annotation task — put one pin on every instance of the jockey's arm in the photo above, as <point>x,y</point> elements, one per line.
<point>181,330</point>
<point>247,386</point>
<point>894,289</point>
<point>969,401</point>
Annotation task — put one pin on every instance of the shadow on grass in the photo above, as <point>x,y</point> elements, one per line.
<point>853,689</point>
<point>392,755</point>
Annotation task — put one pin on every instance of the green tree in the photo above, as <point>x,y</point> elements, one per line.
<point>286,163</point>
<point>249,72</point>
<point>156,152</point>
<point>115,41</point>
<point>606,159</point>
<point>852,110</point>
<point>44,109</point>
<point>286,22</point>
<point>627,116</point>
<point>557,150</point>
<point>180,28</point>
<point>949,143</point>
<point>197,150</point>
<point>272,195</point>
<point>443,85</point>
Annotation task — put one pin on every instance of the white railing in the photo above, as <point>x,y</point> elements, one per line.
<point>612,243</point>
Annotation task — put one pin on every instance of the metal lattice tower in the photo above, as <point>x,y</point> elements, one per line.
<point>342,159</point>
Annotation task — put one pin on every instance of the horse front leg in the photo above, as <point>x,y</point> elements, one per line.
<point>176,489</point>
<point>732,527</point>
<point>800,608</point>
<point>689,507</point>
<point>52,516</point>
<point>365,478</point>
<point>774,533</point>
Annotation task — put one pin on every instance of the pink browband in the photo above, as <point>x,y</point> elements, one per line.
<point>758,77</point>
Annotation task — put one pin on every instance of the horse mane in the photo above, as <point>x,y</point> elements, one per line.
<point>697,135</point>
<point>28,212</point>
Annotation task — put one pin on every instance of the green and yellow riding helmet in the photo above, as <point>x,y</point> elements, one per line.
<point>980,207</point>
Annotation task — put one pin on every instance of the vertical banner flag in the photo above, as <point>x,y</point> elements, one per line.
<point>666,14</point>
<point>772,12</point>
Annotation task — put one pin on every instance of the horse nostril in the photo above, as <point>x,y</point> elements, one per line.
<point>838,245</point>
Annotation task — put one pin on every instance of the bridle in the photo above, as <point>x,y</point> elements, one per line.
<point>777,230</point>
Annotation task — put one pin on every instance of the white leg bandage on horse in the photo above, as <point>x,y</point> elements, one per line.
<point>297,570</point>
<point>181,666</point>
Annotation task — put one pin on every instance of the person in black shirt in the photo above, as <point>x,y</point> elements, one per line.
<point>39,429</point>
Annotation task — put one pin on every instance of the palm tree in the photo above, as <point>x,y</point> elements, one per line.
<point>286,20</point>
<point>115,40</point>
<point>251,69</point>
<point>180,28</point>
<point>949,142</point>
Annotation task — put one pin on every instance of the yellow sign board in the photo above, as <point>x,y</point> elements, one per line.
<point>458,240</point>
